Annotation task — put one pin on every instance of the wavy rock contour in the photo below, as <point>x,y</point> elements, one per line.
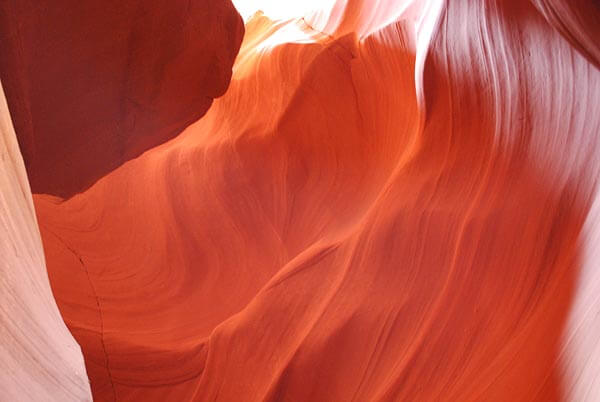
<point>393,201</point>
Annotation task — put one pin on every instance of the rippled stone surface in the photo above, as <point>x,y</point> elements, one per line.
<point>392,201</point>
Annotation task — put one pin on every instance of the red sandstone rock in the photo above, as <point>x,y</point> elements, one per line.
<point>92,84</point>
<point>393,201</point>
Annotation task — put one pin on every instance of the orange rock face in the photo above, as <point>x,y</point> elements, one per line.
<point>393,201</point>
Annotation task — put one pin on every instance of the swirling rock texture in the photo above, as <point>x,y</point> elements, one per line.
<point>392,201</point>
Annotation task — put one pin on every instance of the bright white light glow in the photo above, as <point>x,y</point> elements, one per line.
<point>277,9</point>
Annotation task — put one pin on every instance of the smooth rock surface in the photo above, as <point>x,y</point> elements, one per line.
<point>39,359</point>
<point>392,201</point>
<point>92,84</point>
<point>378,209</point>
